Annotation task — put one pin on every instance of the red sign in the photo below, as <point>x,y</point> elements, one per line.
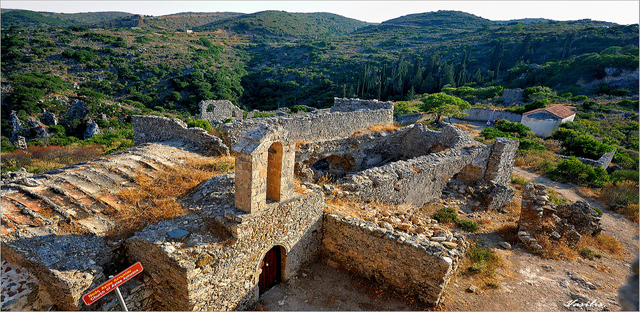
<point>112,283</point>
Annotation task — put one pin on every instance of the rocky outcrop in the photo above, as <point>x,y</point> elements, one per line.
<point>92,129</point>
<point>49,118</point>
<point>628,293</point>
<point>17,126</point>
<point>38,130</point>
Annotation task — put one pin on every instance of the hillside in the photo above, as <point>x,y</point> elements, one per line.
<point>276,59</point>
<point>287,25</point>
<point>446,19</point>
<point>26,18</point>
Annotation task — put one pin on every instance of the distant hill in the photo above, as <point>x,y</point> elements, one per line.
<point>291,25</point>
<point>188,20</point>
<point>26,18</point>
<point>448,19</point>
<point>525,21</point>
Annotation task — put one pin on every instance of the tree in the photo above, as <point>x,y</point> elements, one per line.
<point>443,104</point>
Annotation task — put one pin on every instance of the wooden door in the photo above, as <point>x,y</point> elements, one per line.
<point>271,269</point>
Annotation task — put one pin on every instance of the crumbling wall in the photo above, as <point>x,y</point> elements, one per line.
<point>484,114</point>
<point>413,264</point>
<point>421,179</point>
<point>220,112</point>
<point>602,162</point>
<point>157,129</point>
<point>213,263</point>
<point>501,160</point>
<point>61,266</point>
<point>539,217</point>
<point>345,118</point>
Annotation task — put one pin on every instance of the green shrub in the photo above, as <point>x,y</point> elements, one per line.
<point>596,209</point>
<point>622,175</point>
<point>579,98</point>
<point>513,127</point>
<point>589,254</point>
<point>298,108</point>
<point>199,123</point>
<point>573,170</point>
<point>492,133</point>
<point>468,225</point>
<point>526,144</point>
<point>446,215</point>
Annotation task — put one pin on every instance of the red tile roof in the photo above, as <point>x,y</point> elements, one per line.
<point>559,111</point>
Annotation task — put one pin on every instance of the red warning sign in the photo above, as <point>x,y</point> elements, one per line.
<point>112,283</point>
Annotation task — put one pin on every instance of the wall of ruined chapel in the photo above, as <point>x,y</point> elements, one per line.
<point>421,179</point>
<point>219,111</point>
<point>216,265</point>
<point>411,263</point>
<point>148,129</point>
<point>372,149</point>
<point>345,118</point>
<point>602,162</point>
<point>484,114</point>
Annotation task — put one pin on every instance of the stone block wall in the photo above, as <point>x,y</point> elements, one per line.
<point>221,111</point>
<point>501,160</point>
<point>209,269</point>
<point>157,129</point>
<point>512,96</point>
<point>603,162</point>
<point>415,181</point>
<point>348,117</point>
<point>411,118</point>
<point>484,114</point>
<point>411,263</point>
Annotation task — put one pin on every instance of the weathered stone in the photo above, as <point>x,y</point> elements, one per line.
<point>450,245</point>
<point>504,245</point>
<point>472,289</point>
<point>218,112</point>
<point>92,129</point>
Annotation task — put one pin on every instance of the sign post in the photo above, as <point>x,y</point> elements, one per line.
<point>112,284</point>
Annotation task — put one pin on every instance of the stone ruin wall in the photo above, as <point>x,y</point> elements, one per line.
<point>512,96</point>
<point>222,111</point>
<point>567,222</point>
<point>345,118</point>
<point>148,129</point>
<point>484,114</point>
<point>205,271</point>
<point>412,264</point>
<point>421,179</point>
<point>603,162</point>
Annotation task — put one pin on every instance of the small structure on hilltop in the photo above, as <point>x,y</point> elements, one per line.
<point>543,121</point>
<point>220,112</point>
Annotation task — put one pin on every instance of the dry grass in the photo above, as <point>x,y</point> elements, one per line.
<point>603,242</point>
<point>481,265</point>
<point>376,129</point>
<point>362,210</point>
<point>155,199</point>
<point>557,250</point>
<point>42,159</point>
<point>509,232</point>
<point>622,197</point>
<point>535,159</point>
<point>552,145</point>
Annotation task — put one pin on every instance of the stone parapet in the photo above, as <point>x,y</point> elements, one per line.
<point>148,129</point>
<point>341,122</point>
<point>411,263</point>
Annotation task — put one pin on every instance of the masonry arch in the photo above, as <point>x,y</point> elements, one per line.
<point>273,266</point>
<point>274,171</point>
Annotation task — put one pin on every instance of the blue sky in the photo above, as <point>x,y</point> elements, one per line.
<point>621,12</point>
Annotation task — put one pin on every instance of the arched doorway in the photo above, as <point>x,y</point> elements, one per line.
<point>274,171</point>
<point>271,267</point>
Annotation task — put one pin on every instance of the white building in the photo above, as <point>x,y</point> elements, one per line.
<point>543,121</point>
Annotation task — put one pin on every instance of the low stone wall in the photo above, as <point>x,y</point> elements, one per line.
<point>148,129</point>
<point>215,263</point>
<point>411,118</point>
<point>603,162</point>
<point>484,114</point>
<point>345,118</point>
<point>411,263</point>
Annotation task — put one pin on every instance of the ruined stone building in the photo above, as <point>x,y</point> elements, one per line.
<point>257,226</point>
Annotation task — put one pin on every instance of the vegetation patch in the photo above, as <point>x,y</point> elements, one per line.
<point>156,198</point>
<point>450,215</point>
